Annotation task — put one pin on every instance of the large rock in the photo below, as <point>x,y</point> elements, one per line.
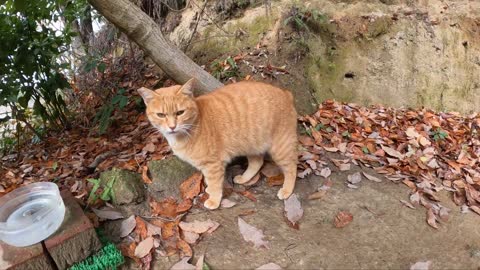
<point>127,186</point>
<point>167,175</point>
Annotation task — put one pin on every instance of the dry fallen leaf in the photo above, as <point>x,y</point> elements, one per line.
<point>306,140</point>
<point>371,177</point>
<point>354,178</point>
<point>107,213</point>
<point>269,266</point>
<point>407,204</point>
<point>200,263</point>
<point>431,219</point>
<point>475,209</point>
<point>144,247</point>
<point>226,203</point>
<point>342,219</point>
<point>183,265</point>
<point>325,172</point>
<point>191,186</point>
<point>252,234</point>
<point>190,237</point>
<point>275,180</point>
<point>293,209</point>
<point>127,226</point>
<point>392,152</point>
<point>153,229</point>
<point>165,208</point>
<point>421,265</point>
<point>145,177</point>
<point>269,169</point>
<point>141,228</point>
<point>198,226</point>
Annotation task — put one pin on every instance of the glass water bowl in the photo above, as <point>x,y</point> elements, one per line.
<point>30,214</point>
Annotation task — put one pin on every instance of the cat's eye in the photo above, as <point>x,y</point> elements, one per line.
<point>161,115</point>
<point>180,112</point>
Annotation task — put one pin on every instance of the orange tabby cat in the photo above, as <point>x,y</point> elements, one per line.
<point>242,119</point>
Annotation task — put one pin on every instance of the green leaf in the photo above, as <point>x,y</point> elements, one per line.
<point>101,67</point>
<point>55,166</point>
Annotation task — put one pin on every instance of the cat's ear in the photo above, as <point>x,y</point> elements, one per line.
<point>187,88</point>
<point>146,94</point>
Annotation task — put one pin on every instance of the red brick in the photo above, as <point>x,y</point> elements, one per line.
<point>23,258</point>
<point>76,238</point>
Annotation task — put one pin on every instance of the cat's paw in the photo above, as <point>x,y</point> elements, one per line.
<point>283,194</point>
<point>212,204</point>
<point>240,180</point>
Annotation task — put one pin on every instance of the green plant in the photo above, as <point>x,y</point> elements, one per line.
<point>106,193</point>
<point>299,18</point>
<point>439,134</point>
<point>225,69</point>
<point>103,116</point>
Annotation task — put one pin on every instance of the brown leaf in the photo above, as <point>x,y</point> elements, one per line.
<point>275,180</point>
<point>198,226</point>
<point>127,226</point>
<point>145,177</point>
<point>144,247</point>
<point>107,213</point>
<point>342,219</point>
<point>249,195</point>
<point>247,212</point>
<point>185,248</point>
<point>317,195</point>
<point>141,228</point>
<point>392,152</point>
<point>269,266</point>
<point>252,234</point>
<point>269,170</point>
<point>191,186</point>
<point>306,140</point>
<point>421,265</point>
<point>407,204</point>
<point>183,265</point>
<point>293,209</point>
<point>325,172</point>
<point>354,178</point>
<point>190,237</point>
<point>226,203</point>
<point>165,208</point>
<point>184,206</point>
<point>475,209</point>
<point>410,184</point>
<point>431,219</point>
<point>372,178</point>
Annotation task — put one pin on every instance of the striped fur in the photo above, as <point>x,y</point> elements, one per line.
<point>242,119</point>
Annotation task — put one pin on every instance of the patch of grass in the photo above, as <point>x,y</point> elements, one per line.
<point>439,134</point>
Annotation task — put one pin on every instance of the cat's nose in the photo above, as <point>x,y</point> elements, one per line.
<point>172,127</point>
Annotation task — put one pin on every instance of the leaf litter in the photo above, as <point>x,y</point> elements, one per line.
<point>426,150</point>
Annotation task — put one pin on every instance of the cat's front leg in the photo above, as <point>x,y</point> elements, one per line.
<point>214,176</point>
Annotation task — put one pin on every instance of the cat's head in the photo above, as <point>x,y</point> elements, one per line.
<point>172,110</point>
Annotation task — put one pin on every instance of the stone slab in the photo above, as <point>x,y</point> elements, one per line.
<point>23,258</point>
<point>76,238</point>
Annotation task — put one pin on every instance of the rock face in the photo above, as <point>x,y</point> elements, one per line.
<point>391,52</point>
<point>167,175</point>
<point>402,53</point>
<point>127,186</point>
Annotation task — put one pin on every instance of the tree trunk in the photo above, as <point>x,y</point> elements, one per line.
<point>140,28</point>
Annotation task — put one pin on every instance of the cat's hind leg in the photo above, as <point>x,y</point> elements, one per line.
<point>254,165</point>
<point>284,154</point>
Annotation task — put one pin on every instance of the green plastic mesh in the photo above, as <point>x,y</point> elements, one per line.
<point>108,257</point>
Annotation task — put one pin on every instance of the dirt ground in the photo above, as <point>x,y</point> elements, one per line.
<point>384,234</point>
